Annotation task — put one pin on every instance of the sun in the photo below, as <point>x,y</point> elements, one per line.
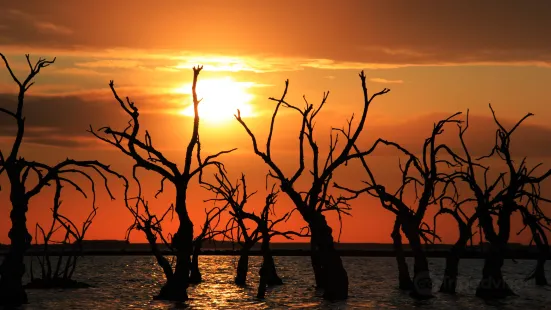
<point>221,98</point>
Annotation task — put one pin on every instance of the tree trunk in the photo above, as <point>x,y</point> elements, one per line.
<point>242,267</point>
<point>492,284</point>
<point>261,293</point>
<point>422,282</point>
<point>268,273</point>
<point>543,248</point>
<point>539,273</point>
<point>449,282</point>
<point>12,292</point>
<point>334,276</point>
<point>161,260</point>
<point>268,262</point>
<point>195,275</point>
<point>316,263</point>
<point>175,289</point>
<point>404,279</point>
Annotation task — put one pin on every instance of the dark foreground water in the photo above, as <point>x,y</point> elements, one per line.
<point>129,282</point>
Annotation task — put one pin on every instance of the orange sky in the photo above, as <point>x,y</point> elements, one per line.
<point>437,59</point>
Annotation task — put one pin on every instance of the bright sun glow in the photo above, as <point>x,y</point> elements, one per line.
<point>221,99</point>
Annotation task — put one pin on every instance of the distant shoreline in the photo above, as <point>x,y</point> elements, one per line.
<point>121,248</point>
<point>282,252</point>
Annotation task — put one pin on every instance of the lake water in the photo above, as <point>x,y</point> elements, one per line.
<point>129,282</point>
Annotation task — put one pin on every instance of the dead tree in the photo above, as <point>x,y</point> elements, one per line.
<point>404,279</point>
<point>148,157</point>
<point>19,171</point>
<point>499,199</point>
<point>60,276</point>
<point>151,225</point>
<point>314,201</point>
<point>209,231</point>
<point>465,224</point>
<point>237,197</point>
<point>538,223</point>
<point>425,176</point>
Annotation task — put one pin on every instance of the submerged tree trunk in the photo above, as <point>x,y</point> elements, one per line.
<point>315,259</point>
<point>268,264</point>
<point>242,267</point>
<point>334,276</point>
<point>404,278</point>
<point>543,248</point>
<point>161,260</point>
<point>12,292</point>
<point>422,282</point>
<point>449,282</point>
<point>268,272</point>
<point>195,274</point>
<point>492,284</point>
<point>539,272</point>
<point>175,289</point>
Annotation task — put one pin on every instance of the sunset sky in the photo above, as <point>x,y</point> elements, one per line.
<point>437,57</point>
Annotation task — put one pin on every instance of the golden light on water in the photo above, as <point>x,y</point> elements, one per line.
<point>222,97</point>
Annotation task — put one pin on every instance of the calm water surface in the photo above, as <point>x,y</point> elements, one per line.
<point>129,282</point>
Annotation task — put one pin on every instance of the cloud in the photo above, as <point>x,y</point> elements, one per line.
<point>49,27</point>
<point>439,33</point>
<point>20,21</point>
<point>385,81</point>
<point>110,63</point>
<point>78,71</point>
<point>62,121</point>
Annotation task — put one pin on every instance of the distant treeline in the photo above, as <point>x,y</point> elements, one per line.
<point>120,247</point>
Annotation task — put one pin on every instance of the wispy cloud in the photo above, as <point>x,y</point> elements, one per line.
<point>36,22</point>
<point>110,63</point>
<point>385,81</point>
<point>49,27</point>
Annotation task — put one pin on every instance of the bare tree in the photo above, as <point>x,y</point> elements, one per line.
<point>146,156</point>
<point>20,174</point>
<point>313,202</point>
<point>60,276</point>
<point>465,224</point>
<point>209,231</point>
<point>237,197</point>
<point>538,222</point>
<point>151,225</point>
<point>429,184</point>
<point>404,279</point>
<point>500,199</point>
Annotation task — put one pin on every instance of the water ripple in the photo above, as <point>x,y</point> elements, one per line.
<point>129,282</point>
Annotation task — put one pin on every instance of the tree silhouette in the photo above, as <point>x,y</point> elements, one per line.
<point>60,276</point>
<point>538,224</point>
<point>465,224</point>
<point>425,176</point>
<point>315,200</point>
<point>209,231</point>
<point>148,157</point>
<point>500,199</point>
<point>151,225</point>
<point>23,187</point>
<point>237,197</point>
<point>404,279</point>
